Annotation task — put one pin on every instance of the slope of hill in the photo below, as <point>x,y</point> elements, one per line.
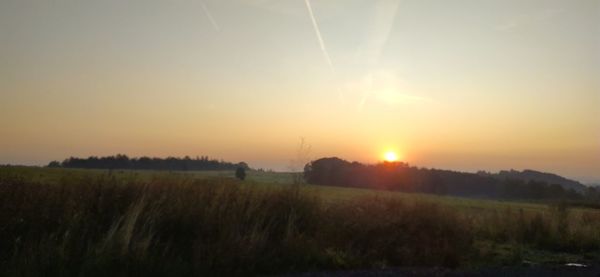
<point>399,176</point>
<point>532,175</point>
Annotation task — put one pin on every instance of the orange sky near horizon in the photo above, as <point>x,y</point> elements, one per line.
<point>467,85</point>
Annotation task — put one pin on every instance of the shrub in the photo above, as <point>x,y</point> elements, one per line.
<point>240,173</point>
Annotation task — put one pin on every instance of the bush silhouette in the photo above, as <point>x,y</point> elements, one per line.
<point>240,173</point>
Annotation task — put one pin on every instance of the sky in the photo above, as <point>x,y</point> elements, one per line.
<point>462,85</point>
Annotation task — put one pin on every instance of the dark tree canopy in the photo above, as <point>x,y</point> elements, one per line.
<point>120,161</point>
<point>402,177</point>
<point>54,164</point>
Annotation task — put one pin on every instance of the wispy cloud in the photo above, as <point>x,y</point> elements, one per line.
<point>385,87</point>
<point>210,17</point>
<point>323,48</point>
<point>533,18</point>
<point>289,8</point>
<point>383,21</point>
<point>319,37</point>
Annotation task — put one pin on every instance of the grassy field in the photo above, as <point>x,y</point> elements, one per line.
<point>265,179</point>
<point>95,222</point>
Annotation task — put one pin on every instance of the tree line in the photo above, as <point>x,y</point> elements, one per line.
<point>401,176</point>
<point>121,161</point>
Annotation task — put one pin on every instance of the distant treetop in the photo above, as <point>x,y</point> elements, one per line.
<point>121,161</point>
<point>401,176</point>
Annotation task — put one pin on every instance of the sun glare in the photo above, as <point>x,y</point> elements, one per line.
<point>390,156</point>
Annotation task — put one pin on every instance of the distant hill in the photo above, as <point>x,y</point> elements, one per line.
<point>532,175</point>
<point>399,176</point>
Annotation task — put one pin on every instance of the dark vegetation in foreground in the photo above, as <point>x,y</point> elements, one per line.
<point>399,176</point>
<point>174,226</point>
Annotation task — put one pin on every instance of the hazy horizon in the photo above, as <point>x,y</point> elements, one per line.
<point>476,85</point>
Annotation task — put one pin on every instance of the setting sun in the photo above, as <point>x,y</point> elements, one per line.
<point>390,156</point>
<point>300,137</point>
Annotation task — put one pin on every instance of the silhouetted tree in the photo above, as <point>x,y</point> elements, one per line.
<point>243,165</point>
<point>54,164</point>
<point>170,163</point>
<point>240,173</point>
<point>402,177</point>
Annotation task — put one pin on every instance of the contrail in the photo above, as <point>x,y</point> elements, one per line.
<point>323,48</point>
<point>210,17</point>
<point>318,32</point>
<point>385,15</point>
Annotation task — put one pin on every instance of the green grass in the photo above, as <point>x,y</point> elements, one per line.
<point>271,179</point>
<point>96,222</point>
<point>54,175</point>
<point>262,179</point>
<point>328,194</point>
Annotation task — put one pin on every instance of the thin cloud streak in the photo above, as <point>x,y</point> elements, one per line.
<point>210,17</point>
<point>384,17</point>
<point>385,87</point>
<point>383,21</point>
<point>529,19</point>
<point>323,48</point>
<point>319,37</point>
<point>380,28</point>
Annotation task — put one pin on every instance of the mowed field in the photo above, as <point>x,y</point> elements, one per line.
<point>72,221</point>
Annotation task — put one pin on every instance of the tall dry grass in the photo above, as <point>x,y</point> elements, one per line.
<point>557,229</point>
<point>176,226</point>
<point>99,226</point>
